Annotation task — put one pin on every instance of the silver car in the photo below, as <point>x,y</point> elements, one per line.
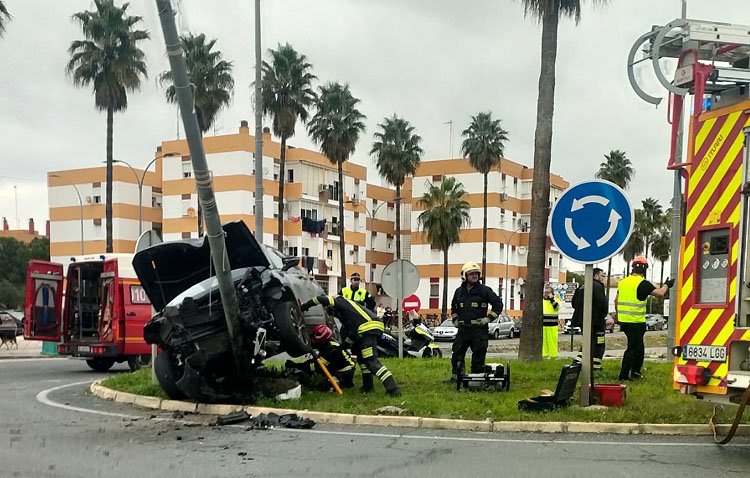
<point>503,326</point>
<point>446,331</point>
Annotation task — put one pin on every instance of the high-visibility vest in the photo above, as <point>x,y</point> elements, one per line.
<point>629,308</point>
<point>549,314</point>
<point>357,296</point>
<point>548,309</point>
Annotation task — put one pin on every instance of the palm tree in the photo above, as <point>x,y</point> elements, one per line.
<point>109,59</point>
<point>653,220</point>
<point>336,128</point>
<point>5,17</point>
<point>398,152</point>
<point>635,243</point>
<point>548,13</point>
<point>210,77</point>
<point>484,146</point>
<point>616,169</point>
<point>660,249</point>
<point>445,213</point>
<point>212,82</point>
<point>286,90</point>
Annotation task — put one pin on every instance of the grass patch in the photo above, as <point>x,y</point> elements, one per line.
<point>650,400</point>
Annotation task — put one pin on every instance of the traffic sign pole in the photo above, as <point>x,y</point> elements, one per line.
<point>400,299</point>
<point>586,374</point>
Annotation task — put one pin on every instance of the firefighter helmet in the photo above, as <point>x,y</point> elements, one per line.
<point>470,267</point>
<point>321,334</point>
<point>640,261</point>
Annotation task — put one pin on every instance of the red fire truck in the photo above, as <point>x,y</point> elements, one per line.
<point>96,311</point>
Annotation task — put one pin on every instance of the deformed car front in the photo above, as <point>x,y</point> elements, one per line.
<point>190,328</point>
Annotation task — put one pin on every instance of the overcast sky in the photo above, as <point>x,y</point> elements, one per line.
<point>430,61</point>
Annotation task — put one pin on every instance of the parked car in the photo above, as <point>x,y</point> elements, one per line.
<point>189,327</point>
<point>503,326</point>
<point>446,331</point>
<point>515,330</point>
<point>655,322</point>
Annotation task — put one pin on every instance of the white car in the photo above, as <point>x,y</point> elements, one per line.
<point>445,331</point>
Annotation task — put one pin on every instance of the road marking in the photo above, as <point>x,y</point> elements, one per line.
<point>9,360</point>
<point>43,397</point>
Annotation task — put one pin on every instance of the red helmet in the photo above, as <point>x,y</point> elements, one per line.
<point>640,261</point>
<point>321,334</point>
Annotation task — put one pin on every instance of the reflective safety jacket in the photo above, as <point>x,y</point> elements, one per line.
<point>470,305</point>
<point>629,308</point>
<point>355,319</point>
<point>334,356</point>
<point>550,310</point>
<point>360,296</point>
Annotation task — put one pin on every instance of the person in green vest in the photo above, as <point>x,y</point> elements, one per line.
<point>550,311</point>
<point>358,294</point>
<point>630,302</point>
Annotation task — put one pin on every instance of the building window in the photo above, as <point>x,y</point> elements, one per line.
<point>187,168</point>
<point>293,251</point>
<point>310,214</point>
<point>500,288</point>
<point>330,253</point>
<point>186,196</point>
<point>186,235</point>
<point>97,221</point>
<point>97,199</point>
<point>305,251</point>
<point>550,262</point>
<point>96,185</point>
<point>434,292</point>
<point>290,176</point>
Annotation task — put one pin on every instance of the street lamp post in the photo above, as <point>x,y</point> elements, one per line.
<point>507,260</point>
<point>140,181</point>
<point>80,203</point>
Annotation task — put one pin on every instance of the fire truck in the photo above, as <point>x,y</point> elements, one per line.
<point>710,94</point>
<point>95,310</point>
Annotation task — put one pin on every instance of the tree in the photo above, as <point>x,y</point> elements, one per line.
<point>336,128</point>
<point>5,17</point>
<point>109,59</point>
<point>616,169</point>
<point>660,249</point>
<point>652,221</point>
<point>445,213</point>
<point>286,91</point>
<point>210,77</point>
<point>548,13</point>
<point>635,243</point>
<point>484,146</point>
<point>212,82</point>
<point>398,152</point>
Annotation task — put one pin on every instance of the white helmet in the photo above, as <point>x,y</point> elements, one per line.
<point>470,267</point>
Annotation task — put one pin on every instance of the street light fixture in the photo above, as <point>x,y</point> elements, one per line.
<point>507,260</point>
<point>140,181</point>
<point>80,202</point>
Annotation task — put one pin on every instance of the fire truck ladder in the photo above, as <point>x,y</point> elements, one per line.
<point>713,65</point>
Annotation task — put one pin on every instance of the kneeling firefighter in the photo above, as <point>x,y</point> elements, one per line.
<point>333,355</point>
<point>469,311</point>
<point>361,328</point>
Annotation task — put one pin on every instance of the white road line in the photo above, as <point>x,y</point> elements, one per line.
<point>43,397</point>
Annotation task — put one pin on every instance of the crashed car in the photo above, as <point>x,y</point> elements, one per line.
<point>196,358</point>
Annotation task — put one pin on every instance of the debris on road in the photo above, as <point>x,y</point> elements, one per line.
<point>391,410</point>
<point>264,421</point>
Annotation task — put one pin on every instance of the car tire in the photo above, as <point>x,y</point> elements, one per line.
<point>511,334</point>
<point>99,364</point>
<point>136,362</point>
<point>437,353</point>
<point>496,334</point>
<point>290,324</point>
<point>168,372</point>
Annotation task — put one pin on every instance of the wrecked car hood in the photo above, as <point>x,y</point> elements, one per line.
<point>167,269</point>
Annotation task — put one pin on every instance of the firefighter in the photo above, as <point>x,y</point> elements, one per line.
<point>630,301</point>
<point>333,355</point>
<point>550,311</point>
<point>361,328</point>
<point>469,311</point>
<point>356,293</point>
<point>599,311</point>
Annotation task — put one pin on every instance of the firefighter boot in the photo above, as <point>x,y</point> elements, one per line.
<point>386,377</point>
<point>367,381</point>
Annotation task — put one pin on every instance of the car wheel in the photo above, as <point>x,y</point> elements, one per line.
<point>168,372</point>
<point>99,364</point>
<point>290,324</point>
<point>136,362</point>
<point>511,334</point>
<point>496,334</point>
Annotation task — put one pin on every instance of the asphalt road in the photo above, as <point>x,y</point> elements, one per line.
<point>55,429</point>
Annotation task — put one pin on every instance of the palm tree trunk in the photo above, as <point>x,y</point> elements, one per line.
<point>444,312</point>
<point>531,342</point>
<point>342,242</point>
<point>484,234</point>
<point>110,159</point>
<point>609,273</point>
<point>398,222</point>
<point>282,181</point>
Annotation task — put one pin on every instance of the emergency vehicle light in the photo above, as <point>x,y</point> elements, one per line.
<point>690,374</point>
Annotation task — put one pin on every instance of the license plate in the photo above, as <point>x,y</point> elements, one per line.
<point>705,353</point>
<point>84,349</point>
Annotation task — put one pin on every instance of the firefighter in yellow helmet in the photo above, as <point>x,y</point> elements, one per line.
<point>630,301</point>
<point>470,313</point>
<point>550,312</point>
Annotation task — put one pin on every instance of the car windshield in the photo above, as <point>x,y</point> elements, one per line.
<point>447,323</point>
<point>274,257</point>
<point>202,288</point>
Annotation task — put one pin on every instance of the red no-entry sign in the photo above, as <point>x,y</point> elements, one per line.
<point>411,303</point>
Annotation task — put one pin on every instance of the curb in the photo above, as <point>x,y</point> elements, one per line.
<point>30,356</point>
<point>155,403</point>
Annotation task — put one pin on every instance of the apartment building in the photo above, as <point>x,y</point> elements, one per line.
<point>509,206</point>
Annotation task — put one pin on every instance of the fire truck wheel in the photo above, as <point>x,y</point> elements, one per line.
<point>290,324</point>
<point>167,373</point>
<point>100,364</point>
<point>136,362</point>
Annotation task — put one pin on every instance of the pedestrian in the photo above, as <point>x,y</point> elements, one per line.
<point>599,309</point>
<point>357,293</point>
<point>632,293</point>
<point>470,313</point>
<point>360,328</point>
<point>380,311</point>
<point>333,355</point>
<point>550,312</point>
